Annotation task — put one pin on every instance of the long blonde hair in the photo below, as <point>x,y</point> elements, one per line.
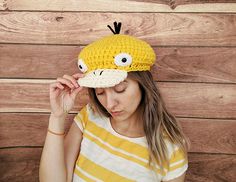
<point>158,123</point>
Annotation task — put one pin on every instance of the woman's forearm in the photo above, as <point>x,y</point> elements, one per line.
<point>52,164</point>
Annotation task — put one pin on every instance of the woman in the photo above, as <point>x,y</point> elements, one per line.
<point>125,133</point>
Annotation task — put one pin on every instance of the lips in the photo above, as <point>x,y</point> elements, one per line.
<point>115,113</point>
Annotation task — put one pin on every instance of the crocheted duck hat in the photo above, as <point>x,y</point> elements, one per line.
<point>107,61</point>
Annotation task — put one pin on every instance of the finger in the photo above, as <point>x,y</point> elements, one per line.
<point>59,85</point>
<point>78,75</point>
<point>75,92</point>
<point>55,85</point>
<point>72,79</point>
<point>65,82</point>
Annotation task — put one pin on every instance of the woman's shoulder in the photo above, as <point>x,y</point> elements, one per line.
<point>88,115</point>
<point>171,146</point>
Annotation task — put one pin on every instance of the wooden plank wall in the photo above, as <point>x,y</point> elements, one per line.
<point>195,42</point>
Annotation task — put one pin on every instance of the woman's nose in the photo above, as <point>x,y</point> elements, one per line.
<point>111,101</point>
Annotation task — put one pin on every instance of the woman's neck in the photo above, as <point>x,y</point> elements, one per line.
<point>131,128</point>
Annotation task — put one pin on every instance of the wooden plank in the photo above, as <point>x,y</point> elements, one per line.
<point>210,135</point>
<point>215,65</point>
<point>20,164</point>
<point>185,64</point>
<point>202,5</point>
<point>32,128</point>
<point>41,61</point>
<point>3,5</point>
<point>200,100</point>
<point>23,164</point>
<point>122,5</point>
<point>183,99</point>
<point>30,96</point>
<point>211,168</point>
<point>159,29</point>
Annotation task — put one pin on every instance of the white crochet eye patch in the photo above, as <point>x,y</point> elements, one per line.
<point>123,59</point>
<point>82,66</point>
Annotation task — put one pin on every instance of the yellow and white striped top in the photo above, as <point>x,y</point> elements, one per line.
<point>105,155</point>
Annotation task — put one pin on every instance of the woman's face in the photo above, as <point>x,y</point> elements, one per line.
<point>122,100</point>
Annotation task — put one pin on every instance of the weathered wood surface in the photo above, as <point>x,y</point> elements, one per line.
<point>158,29</point>
<point>195,42</point>
<point>121,5</point>
<point>182,99</point>
<point>31,127</point>
<point>184,64</point>
<point>30,96</point>
<point>206,135</point>
<point>21,164</point>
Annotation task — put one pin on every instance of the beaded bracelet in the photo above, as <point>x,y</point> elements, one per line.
<point>59,134</point>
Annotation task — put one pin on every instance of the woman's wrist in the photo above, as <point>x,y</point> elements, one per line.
<point>57,123</point>
<point>59,116</point>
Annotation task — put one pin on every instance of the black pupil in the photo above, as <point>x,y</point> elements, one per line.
<point>80,67</point>
<point>124,60</point>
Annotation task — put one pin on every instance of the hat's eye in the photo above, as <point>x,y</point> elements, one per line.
<point>123,59</point>
<point>82,66</point>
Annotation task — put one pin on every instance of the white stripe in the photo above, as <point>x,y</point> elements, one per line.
<point>176,173</point>
<point>78,123</point>
<point>76,178</point>
<point>104,123</point>
<point>121,151</point>
<point>171,148</point>
<point>87,174</point>
<point>116,149</point>
<point>176,163</point>
<point>117,164</point>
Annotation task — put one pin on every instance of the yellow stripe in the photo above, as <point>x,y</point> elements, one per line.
<point>99,171</point>
<point>178,165</point>
<point>82,117</point>
<point>81,175</point>
<point>118,142</point>
<point>178,155</point>
<point>120,154</point>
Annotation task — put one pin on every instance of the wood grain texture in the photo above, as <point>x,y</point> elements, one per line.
<point>210,135</point>
<point>213,65</point>
<point>200,100</point>
<point>183,99</point>
<point>211,168</point>
<point>202,167</point>
<point>121,5</point>
<point>184,64</point>
<point>20,164</point>
<point>31,95</point>
<point>32,128</point>
<point>158,29</point>
<point>41,61</point>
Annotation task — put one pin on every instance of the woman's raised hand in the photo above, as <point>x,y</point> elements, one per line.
<point>63,93</point>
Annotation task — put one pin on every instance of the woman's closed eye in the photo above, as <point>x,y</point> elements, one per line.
<point>120,88</point>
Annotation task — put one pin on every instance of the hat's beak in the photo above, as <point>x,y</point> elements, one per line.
<point>102,78</point>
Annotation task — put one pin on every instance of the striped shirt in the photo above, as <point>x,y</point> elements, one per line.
<point>105,155</point>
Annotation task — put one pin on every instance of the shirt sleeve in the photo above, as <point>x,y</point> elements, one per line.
<point>81,118</point>
<point>178,163</point>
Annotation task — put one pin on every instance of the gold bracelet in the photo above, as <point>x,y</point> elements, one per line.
<point>59,134</point>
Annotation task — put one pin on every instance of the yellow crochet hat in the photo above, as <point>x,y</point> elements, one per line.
<point>107,61</point>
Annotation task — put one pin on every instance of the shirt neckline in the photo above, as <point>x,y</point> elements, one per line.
<point>138,139</point>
